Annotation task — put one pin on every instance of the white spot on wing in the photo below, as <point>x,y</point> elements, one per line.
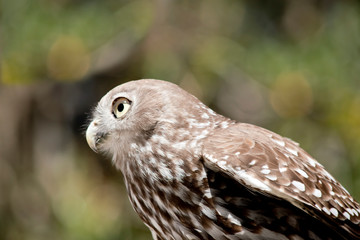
<point>278,142</point>
<point>299,185</point>
<point>326,210</point>
<point>334,212</point>
<point>252,181</point>
<point>302,173</point>
<point>265,171</point>
<point>346,215</point>
<point>339,203</point>
<point>318,207</point>
<point>317,193</point>
<point>356,212</point>
<point>282,169</point>
<point>292,151</point>
<point>311,161</point>
<point>271,177</point>
<point>351,211</point>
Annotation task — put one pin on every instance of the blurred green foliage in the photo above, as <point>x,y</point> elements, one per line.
<point>289,66</point>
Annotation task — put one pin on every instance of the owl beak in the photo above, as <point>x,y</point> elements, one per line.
<point>93,137</point>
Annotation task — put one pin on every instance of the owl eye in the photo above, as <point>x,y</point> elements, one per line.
<point>120,107</point>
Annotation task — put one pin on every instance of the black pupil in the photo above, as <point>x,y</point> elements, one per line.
<point>120,107</point>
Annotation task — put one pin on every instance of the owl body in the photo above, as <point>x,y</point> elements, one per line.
<point>191,173</point>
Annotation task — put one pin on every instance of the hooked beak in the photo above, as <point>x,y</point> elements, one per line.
<point>93,136</point>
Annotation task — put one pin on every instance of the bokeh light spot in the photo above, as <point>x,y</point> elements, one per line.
<point>291,95</point>
<point>301,19</point>
<point>68,59</point>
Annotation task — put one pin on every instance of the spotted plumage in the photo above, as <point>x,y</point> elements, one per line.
<point>191,173</point>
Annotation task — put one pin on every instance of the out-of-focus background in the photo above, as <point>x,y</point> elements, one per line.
<point>287,65</point>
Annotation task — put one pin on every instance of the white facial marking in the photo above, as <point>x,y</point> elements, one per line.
<point>299,185</point>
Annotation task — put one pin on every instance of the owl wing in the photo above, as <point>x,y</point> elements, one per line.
<point>275,166</point>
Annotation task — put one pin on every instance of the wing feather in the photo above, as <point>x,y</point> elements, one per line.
<point>271,164</point>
